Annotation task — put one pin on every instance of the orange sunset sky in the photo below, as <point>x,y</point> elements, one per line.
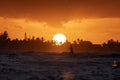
<point>93,20</point>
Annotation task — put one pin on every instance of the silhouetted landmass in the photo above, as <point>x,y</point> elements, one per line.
<point>39,44</point>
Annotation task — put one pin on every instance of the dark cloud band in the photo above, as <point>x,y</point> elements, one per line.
<point>57,10</point>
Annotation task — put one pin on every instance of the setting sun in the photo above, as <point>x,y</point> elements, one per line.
<point>59,39</point>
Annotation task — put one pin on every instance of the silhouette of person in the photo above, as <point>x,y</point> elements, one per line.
<point>71,49</point>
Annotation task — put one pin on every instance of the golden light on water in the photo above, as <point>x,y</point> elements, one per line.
<point>67,76</point>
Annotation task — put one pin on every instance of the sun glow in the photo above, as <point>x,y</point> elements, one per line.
<point>59,39</point>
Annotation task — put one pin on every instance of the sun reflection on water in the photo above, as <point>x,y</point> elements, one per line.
<point>67,76</point>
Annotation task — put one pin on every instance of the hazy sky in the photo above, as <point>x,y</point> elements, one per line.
<point>94,20</point>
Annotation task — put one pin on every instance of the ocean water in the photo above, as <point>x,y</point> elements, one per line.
<point>42,66</point>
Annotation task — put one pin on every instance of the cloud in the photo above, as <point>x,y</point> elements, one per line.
<point>71,23</point>
<point>55,11</point>
<point>97,30</point>
<point>18,26</point>
<point>20,23</point>
<point>7,23</point>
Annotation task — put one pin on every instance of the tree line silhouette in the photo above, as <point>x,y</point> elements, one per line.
<point>40,44</point>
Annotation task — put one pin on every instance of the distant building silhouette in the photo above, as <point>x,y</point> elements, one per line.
<point>25,36</point>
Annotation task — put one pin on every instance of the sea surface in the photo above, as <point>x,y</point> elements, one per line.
<point>45,66</point>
